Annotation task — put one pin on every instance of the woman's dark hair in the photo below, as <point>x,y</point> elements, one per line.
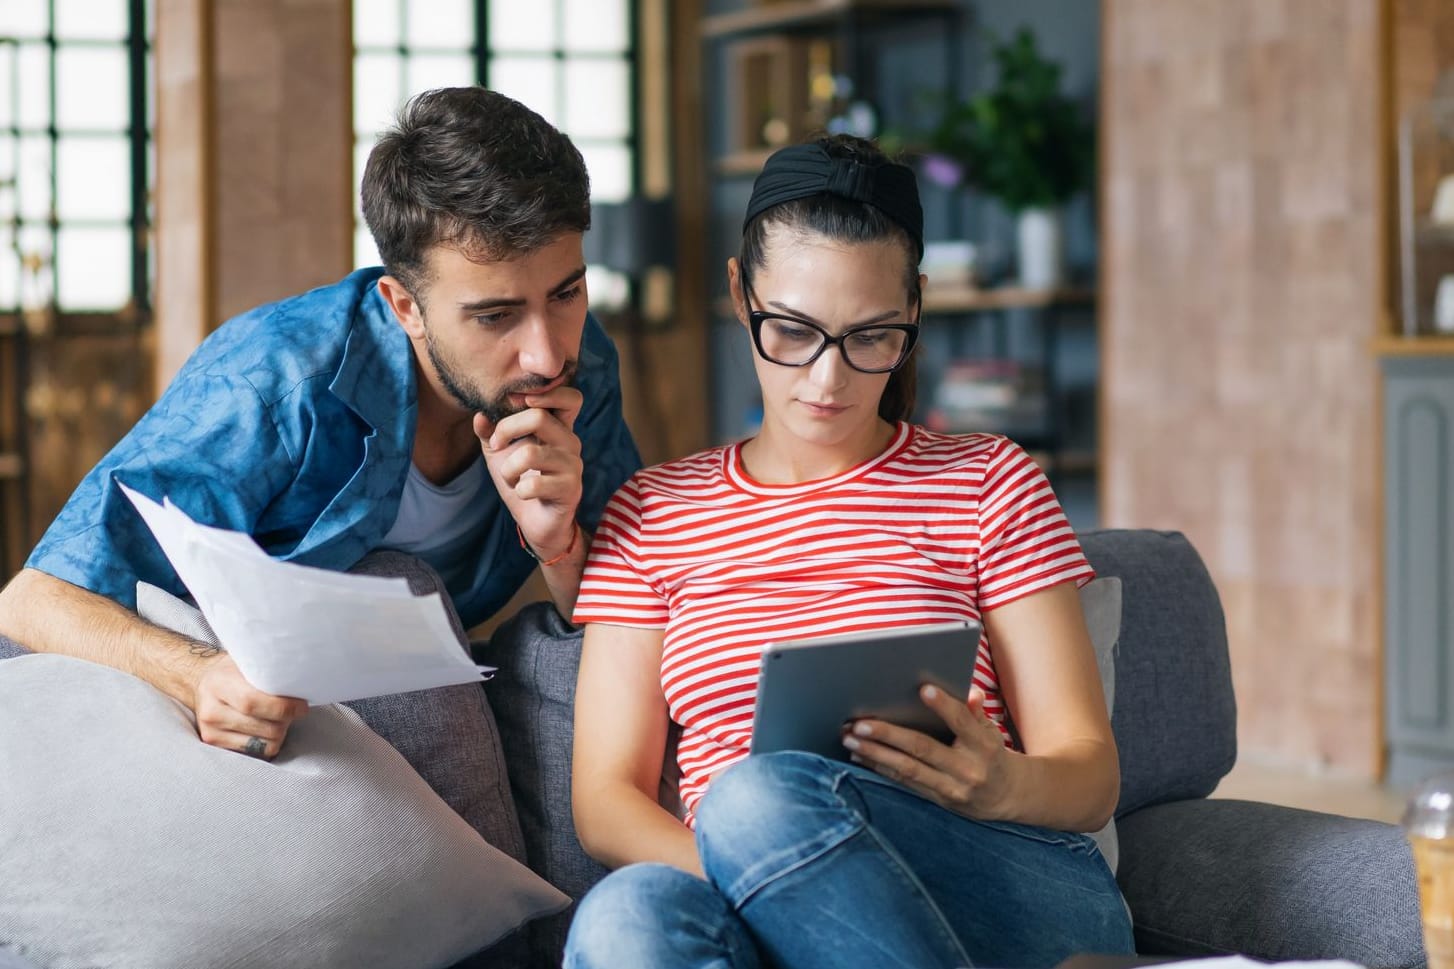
<point>844,220</point>
<point>470,168</point>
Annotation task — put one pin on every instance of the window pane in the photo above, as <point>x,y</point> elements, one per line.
<point>33,179</point>
<point>376,22</point>
<point>34,82</point>
<point>9,276</point>
<point>361,149</point>
<point>375,92</point>
<point>36,288</point>
<point>364,251</point>
<point>595,25</point>
<point>90,21</point>
<point>427,71</point>
<point>22,18</point>
<point>533,81</point>
<point>610,170</point>
<point>598,98</point>
<point>516,26</point>
<point>8,67</point>
<point>91,89</point>
<point>151,91</point>
<point>607,289</point>
<point>94,178</point>
<point>441,23</point>
<point>94,268</point>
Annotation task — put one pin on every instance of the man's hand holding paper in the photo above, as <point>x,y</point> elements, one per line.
<point>296,631</point>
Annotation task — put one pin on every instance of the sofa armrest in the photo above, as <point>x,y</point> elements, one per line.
<point>1213,876</point>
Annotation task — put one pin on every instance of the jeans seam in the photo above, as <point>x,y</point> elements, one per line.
<point>907,874</point>
<point>829,840</point>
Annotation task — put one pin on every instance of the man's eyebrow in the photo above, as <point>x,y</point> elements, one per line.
<point>576,276</point>
<point>894,315</point>
<point>480,305</point>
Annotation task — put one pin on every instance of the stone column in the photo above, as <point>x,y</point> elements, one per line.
<point>254,175</point>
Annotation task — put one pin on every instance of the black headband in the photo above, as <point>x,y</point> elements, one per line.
<point>801,171</point>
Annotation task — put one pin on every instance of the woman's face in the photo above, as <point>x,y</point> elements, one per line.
<point>837,286</point>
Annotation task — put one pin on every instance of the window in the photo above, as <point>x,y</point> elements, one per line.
<point>573,61</point>
<point>74,154</point>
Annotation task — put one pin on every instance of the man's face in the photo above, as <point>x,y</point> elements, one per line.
<point>495,331</point>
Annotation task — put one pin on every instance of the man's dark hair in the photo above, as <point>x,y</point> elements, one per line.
<point>472,169</point>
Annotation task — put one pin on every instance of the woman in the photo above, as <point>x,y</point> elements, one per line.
<point>839,514</point>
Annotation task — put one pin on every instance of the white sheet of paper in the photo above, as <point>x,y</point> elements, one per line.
<point>298,631</point>
<point>1242,962</point>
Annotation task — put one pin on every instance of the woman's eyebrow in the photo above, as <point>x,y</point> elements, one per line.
<point>881,318</point>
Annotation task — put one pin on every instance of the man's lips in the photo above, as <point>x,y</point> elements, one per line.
<point>537,391</point>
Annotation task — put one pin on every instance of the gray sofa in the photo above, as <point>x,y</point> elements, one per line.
<point>1201,876</point>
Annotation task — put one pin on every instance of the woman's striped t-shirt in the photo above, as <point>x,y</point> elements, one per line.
<point>934,529</point>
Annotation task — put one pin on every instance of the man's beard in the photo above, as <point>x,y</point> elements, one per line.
<point>495,406</point>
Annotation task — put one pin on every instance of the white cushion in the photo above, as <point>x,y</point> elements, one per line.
<point>1100,600</point>
<point>126,841</point>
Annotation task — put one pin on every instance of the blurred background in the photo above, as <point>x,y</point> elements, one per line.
<point>1198,257</point>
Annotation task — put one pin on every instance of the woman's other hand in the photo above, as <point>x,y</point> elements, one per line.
<point>968,776</point>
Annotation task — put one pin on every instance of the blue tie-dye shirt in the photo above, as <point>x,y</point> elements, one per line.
<point>294,423</point>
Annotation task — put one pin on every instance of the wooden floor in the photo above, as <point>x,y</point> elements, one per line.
<point>1321,791</point>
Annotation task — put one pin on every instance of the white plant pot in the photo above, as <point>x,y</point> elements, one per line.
<point>1042,248</point>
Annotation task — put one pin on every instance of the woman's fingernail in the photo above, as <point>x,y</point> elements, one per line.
<point>930,692</point>
<point>851,743</point>
<point>862,729</point>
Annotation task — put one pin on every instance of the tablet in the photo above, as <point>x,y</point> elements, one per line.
<point>808,688</point>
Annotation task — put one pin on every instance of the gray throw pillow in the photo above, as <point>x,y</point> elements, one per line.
<point>127,842</point>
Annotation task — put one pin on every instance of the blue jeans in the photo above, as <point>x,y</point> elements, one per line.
<point>812,862</point>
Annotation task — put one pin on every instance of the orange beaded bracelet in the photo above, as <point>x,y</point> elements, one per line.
<point>554,559</point>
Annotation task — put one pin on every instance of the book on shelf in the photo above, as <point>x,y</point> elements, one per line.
<point>995,396</point>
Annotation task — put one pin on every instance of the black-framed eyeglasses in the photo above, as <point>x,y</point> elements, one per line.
<point>791,342</point>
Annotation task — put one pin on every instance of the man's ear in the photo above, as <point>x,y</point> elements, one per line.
<point>407,310</point>
<point>734,289</point>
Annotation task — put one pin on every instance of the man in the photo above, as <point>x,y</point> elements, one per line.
<point>459,404</point>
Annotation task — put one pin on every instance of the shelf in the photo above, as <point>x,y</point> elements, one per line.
<point>1064,462</point>
<point>1414,346</point>
<point>748,162</point>
<point>1426,230</point>
<point>967,299</point>
<point>803,14</point>
<point>11,466</point>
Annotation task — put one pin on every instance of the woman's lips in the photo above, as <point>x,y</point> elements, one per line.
<point>821,409</point>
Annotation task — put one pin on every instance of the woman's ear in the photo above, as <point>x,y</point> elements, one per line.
<point>734,289</point>
<point>405,307</point>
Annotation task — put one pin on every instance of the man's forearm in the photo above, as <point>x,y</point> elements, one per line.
<point>49,615</point>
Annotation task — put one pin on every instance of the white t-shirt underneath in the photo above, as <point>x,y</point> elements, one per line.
<point>442,524</point>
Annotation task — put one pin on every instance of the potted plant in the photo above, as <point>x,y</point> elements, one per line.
<point>1027,144</point>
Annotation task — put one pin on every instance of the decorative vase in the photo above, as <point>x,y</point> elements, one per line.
<point>1042,248</point>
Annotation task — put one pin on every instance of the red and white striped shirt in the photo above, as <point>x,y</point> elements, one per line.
<point>934,529</point>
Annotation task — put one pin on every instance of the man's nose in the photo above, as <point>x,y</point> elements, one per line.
<point>543,351</point>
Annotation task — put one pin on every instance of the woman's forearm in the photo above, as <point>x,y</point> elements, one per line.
<point>1072,789</point>
<point>619,825</point>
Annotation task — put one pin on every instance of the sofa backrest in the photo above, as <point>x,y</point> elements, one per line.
<point>1175,717</point>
